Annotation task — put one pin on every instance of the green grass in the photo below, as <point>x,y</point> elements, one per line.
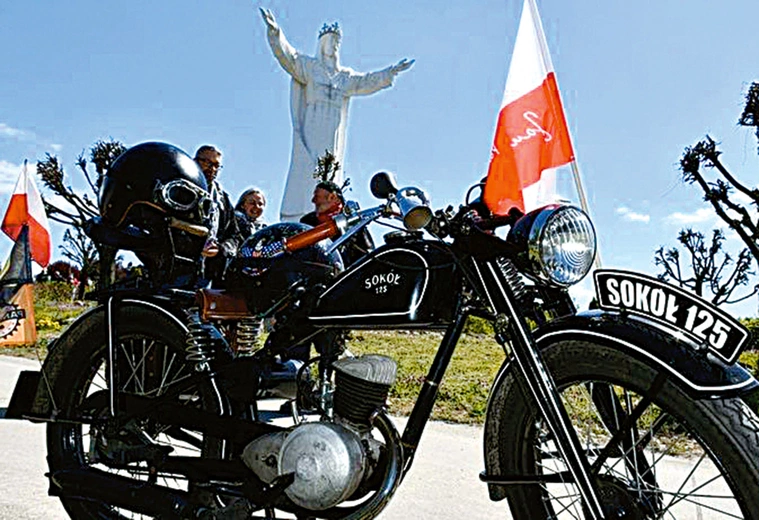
<point>53,311</point>
<point>463,394</point>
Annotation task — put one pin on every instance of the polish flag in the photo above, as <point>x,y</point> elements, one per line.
<point>531,135</point>
<point>26,209</point>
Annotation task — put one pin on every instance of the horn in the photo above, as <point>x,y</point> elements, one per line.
<point>383,185</point>
<point>416,213</point>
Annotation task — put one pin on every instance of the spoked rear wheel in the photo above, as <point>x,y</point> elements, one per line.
<point>151,360</point>
<point>654,452</point>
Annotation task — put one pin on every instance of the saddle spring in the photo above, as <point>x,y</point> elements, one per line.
<point>247,333</point>
<point>203,340</point>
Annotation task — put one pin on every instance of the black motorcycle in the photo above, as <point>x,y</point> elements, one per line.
<point>156,399</point>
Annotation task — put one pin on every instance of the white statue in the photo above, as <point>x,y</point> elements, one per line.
<point>320,93</point>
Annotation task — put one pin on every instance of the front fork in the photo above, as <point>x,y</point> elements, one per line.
<point>511,325</point>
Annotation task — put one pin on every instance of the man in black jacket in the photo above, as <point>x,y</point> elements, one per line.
<point>223,241</point>
<point>328,201</point>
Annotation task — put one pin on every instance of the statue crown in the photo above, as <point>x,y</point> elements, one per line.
<point>333,28</point>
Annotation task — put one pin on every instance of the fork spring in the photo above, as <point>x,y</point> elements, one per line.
<point>513,278</point>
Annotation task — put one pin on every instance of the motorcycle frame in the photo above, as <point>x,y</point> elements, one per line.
<point>509,324</point>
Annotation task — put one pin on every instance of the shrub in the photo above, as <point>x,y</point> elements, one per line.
<point>750,359</point>
<point>752,324</point>
<point>53,307</point>
<point>48,292</point>
<point>46,322</point>
<point>478,326</point>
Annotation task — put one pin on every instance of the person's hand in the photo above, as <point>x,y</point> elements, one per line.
<point>210,249</point>
<point>402,65</point>
<point>269,20</point>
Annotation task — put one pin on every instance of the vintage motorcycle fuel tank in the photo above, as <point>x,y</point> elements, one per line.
<point>405,284</point>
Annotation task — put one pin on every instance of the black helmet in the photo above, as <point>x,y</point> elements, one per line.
<point>264,280</point>
<point>147,186</point>
<point>159,176</point>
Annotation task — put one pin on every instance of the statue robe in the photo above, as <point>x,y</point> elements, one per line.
<point>319,100</point>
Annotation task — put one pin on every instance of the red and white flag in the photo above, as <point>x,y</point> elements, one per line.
<point>26,209</point>
<point>532,134</point>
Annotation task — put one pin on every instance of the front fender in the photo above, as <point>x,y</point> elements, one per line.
<point>698,373</point>
<point>693,369</point>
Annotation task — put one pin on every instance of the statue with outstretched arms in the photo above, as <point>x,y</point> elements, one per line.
<point>320,94</point>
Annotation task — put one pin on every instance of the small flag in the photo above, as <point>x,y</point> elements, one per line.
<point>26,209</point>
<point>531,134</point>
<point>17,295</point>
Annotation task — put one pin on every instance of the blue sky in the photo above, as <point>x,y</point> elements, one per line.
<point>640,81</point>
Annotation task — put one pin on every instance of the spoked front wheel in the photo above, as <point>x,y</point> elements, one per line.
<point>653,451</point>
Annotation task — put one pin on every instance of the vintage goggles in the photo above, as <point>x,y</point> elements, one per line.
<point>182,195</point>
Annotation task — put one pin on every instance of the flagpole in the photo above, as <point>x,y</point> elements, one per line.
<point>584,205</point>
<point>575,169</point>
<point>25,226</point>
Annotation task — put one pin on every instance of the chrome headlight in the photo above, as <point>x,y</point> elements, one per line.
<point>558,244</point>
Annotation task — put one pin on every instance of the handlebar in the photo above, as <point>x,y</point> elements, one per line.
<point>345,225</point>
<point>337,226</point>
<point>328,229</point>
<point>489,224</point>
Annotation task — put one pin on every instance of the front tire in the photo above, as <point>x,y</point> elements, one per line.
<point>682,458</point>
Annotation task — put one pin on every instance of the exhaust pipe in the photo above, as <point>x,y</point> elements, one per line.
<point>141,497</point>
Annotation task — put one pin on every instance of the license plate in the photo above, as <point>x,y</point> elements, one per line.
<point>639,294</point>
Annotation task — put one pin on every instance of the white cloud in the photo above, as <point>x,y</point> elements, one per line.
<point>740,198</point>
<point>59,202</point>
<point>9,173</point>
<point>583,292</point>
<point>9,132</point>
<point>632,216</point>
<point>699,216</point>
<point>14,133</point>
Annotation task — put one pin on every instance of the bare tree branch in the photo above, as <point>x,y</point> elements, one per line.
<point>711,269</point>
<point>77,208</point>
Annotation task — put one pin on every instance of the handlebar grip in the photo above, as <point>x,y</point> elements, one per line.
<point>328,229</point>
<point>497,221</point>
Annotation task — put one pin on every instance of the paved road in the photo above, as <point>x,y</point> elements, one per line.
<point>442,483</point>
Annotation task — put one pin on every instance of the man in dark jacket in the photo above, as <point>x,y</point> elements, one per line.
<point>328,201</point>
<point>223,241</point>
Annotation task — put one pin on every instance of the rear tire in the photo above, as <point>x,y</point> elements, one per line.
<point>151,358</point>
<point>712,438</point>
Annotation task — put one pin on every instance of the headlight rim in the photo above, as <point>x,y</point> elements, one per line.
<point>538,226</point>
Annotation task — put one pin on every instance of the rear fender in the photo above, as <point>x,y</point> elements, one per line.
<point>41,406</point>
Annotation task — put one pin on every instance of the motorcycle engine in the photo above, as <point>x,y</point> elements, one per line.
<point>330,459</point>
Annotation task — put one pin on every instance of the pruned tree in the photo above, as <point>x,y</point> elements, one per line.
<point>75,208</point>
<point>706,268</point>
<point>726,193</point>
<point>327,168</point>
<point>78,248</point>
<point>61,271</point>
